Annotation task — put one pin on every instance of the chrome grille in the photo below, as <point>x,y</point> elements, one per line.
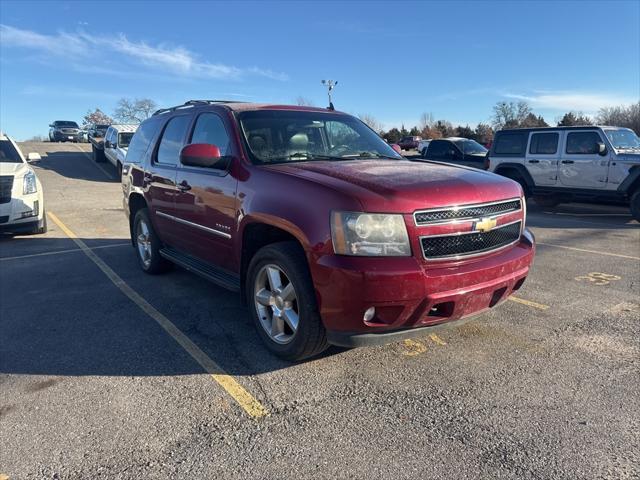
<point>471,243</point>
<point>6,185</point>
<point>445,215</point>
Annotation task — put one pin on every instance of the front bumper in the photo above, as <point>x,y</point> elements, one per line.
<point>69,137</point>
<point>410,297</point>
<point>23,214</point>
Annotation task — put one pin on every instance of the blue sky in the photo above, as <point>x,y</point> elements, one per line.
<point>393,60</point>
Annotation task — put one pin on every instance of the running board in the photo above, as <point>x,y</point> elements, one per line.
<point>210,272</point>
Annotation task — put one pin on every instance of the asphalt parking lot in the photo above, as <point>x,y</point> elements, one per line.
<point>95,384</point>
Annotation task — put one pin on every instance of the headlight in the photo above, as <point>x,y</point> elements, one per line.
<point>29,185</point>
<point>369,234</point>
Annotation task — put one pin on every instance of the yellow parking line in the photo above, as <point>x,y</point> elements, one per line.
<point>436,339</point>
<point>252,406</point>
<point>589,251</point>
<point>71,250</point>
<point>86,154</point>
<point>529,303</point>
<point>413,347</point>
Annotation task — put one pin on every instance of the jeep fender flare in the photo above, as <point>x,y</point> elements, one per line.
<point>632,182</point>
<point>503,168</point>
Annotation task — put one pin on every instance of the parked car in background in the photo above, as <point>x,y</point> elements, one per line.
<point>409,143</point>
<point>331,236</point>
<point>64,131</point>
<point>116,143</point>
<point>21,198</point>
<point>83,135</point>
<point>422,146</point>
<point>96,138</point>
<point>565,164</point>
<point>460,151</point>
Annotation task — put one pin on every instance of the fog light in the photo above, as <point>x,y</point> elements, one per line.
<point>369,314</point>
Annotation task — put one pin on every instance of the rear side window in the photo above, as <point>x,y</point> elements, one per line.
<point>583,143</point>
<point>438,149</point>
<point>172,140</point>
<point>210,129</point>
<point>8,153</point>
<point>544,143</point>
<point>512,144</point>
<point>141,140</point>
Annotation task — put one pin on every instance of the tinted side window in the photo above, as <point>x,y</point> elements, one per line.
<point>438,149</point>
<point>172,140</point>
<point>511,144</point>
<point>210,129</point>
<point>141,141</point>
<point>583,143</point>
<point>544,143</point>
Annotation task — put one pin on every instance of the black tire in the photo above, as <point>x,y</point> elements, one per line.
<point>634,205</point>
<point>154,263</point>
<point>516,177</point>
<point>98,155</point>
<point>119,168</point>
<point>310,337</point>
<point>547,202</point>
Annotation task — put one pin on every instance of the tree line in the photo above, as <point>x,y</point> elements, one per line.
<point>507,115</point>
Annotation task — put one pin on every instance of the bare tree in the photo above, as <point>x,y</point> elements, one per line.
<point>373,122</point>
<point>304,102</point>
<point>426,120</point>
<point>511,115</point>
<point>96,117</point>
<point>134,111</point>
<point>622,116</point>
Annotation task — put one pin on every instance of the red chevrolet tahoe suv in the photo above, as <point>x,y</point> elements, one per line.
<point>330,235</point>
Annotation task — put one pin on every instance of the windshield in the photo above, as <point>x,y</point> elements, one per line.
<point>8,153</point>
<point>470,147</point>
<point>66,124</point>
<point>278,136</point>
<point>623,139</point>
<point>124,139</point>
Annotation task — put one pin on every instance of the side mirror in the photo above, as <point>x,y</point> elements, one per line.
<point>51,125</point>
<point>602,149</point>
<point>33,157</point>
<point>396,148</point>
<point>203,155</point>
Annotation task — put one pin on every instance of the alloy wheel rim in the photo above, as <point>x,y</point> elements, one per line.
<point>276,304</point>
<point>143,241</point>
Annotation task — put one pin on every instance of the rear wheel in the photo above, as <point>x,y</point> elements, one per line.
<point>635,205</point>
<point>282,302</point>
<point>147,244</point>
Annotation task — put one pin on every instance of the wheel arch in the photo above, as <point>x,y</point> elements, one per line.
<point>505,169</point>
<point>136,203</point>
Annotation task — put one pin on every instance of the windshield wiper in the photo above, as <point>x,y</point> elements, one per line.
<point>372,155</point>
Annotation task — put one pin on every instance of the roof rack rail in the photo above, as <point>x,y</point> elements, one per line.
<point>191,103</point>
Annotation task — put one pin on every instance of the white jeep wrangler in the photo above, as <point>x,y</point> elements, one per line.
<point>564,164</point>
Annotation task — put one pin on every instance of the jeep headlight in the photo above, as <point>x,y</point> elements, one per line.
<point>369,234</point>
<point>29,183</point>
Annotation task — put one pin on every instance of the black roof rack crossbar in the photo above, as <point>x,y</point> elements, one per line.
<point>192,103</point>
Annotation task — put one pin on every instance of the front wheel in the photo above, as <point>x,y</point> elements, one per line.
<point>147,244</point>
<point>635,205</point>
<point>282,302</point>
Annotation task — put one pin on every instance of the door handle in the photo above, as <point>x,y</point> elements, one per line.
<point>534,161</point>
<point>184,186</point>
<point>567,161</point>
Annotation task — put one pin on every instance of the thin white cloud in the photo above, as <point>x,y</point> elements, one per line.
<point>177,60</point>
<point>576,101</point>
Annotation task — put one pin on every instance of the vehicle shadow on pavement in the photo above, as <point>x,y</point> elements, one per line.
<point>581,215</point>
<point>78,165</point>
<point>61,315</point>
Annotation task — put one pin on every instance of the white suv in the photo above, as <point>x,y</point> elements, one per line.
<point>564,164</point>
<point>116,144</point>
<point>21,199</point>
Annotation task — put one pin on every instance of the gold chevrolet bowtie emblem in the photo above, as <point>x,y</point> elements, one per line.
<point>485,224</point>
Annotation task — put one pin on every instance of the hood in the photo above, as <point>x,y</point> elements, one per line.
<point>629,157</point>
<point>14,169</point>
<point>403,186</point>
